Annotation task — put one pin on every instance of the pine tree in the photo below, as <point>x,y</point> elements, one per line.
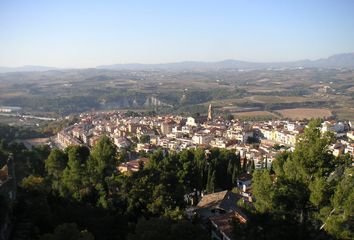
<point>238,161</point>
<point>230,168</point>
<point>212,182</point>
<point>251,167</point>
<point>234,174</point>
<point>262,188</point>
<point>244,165</point>
<point>74,174</point>
<point>102,161</point>
<point>208,186</point>
<point>55,165</point>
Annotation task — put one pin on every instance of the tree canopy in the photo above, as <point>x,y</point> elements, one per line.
<point>306,188</point>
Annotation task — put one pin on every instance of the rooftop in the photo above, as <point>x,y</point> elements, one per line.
<point>225,200</point>
<point>224,222</point>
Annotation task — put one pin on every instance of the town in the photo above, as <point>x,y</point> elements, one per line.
<point>255,141</point>
<point>177,120</point>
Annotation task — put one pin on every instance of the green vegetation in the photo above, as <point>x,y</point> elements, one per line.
<point>309,191</point>
<point>10,133</point>
<point>67,231</point>
<point>78,192</point>
<point>83,187</point>
<point>144,139</point>
<point>51,128</point>
<point>166,229</point>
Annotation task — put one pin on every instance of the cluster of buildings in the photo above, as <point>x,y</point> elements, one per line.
<point>256,141</point>
<point>6,109</point>
<point>219,211</point>
<point>344,133</point>
<point>176,133</point>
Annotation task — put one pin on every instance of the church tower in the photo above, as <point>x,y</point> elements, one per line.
<point>210,113</point>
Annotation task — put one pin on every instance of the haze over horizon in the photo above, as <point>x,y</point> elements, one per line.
<point>32,66</point>
<point>84,34</point>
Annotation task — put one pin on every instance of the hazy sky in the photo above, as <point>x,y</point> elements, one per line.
<point>88,33</point>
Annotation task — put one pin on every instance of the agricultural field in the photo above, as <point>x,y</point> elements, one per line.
<point>276,99</point>
<point>255,115</point>
<point>282,99</point>
<point>256,93</point>
<point>305,113</point>
<point>344,113</point>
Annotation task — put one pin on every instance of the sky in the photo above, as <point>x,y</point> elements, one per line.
<point>88,33</point>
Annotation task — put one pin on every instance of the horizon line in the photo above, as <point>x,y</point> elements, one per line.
<point>174,62</point>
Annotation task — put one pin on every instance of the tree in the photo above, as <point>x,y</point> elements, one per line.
<point>238,162</point>
<point>278,163</point>
<point>208,187</point>
<point>201,164</point>
<point>311,156</point>
<point>144,138</point>
<point>75,174</point>
<point>320,192</point>
<point>234,175</point>
<point>338,218</point>
<point>55,165</point>
<point>212,183</point>
<point>230,168</point>
<point>40,154</point>
<point>166,229</point>
<point>245,165</point>
<point>251,166</point>
<point>103,158</point>
<point>123,156</point>
<point>262,188</point>
<point>68,231</point>
<point>162,200</point>
<point>305,188</point>
<point>4,208</point>
<point>155,158</point>
<point>34,183</point>
<point>188,172</point>
<point>100,167</point>
<point>81,153</point>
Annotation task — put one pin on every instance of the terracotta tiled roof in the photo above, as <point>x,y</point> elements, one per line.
<point>224,222</point>
<point>134,164</point>
<point>226,200</point>
<point>211,199</point>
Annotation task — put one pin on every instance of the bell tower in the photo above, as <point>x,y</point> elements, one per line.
<point>210,113</point>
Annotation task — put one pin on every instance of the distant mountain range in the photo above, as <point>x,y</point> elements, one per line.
<point>344,60</point>
<point>27,68</point>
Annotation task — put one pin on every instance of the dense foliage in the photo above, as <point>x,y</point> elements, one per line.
<point>310,193</point>
<point>10,133</point>
<point>157,189</point>
<point>79,192</point>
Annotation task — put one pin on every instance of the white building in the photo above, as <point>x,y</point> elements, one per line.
<point>191,121</point>
<point>201,138</point>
